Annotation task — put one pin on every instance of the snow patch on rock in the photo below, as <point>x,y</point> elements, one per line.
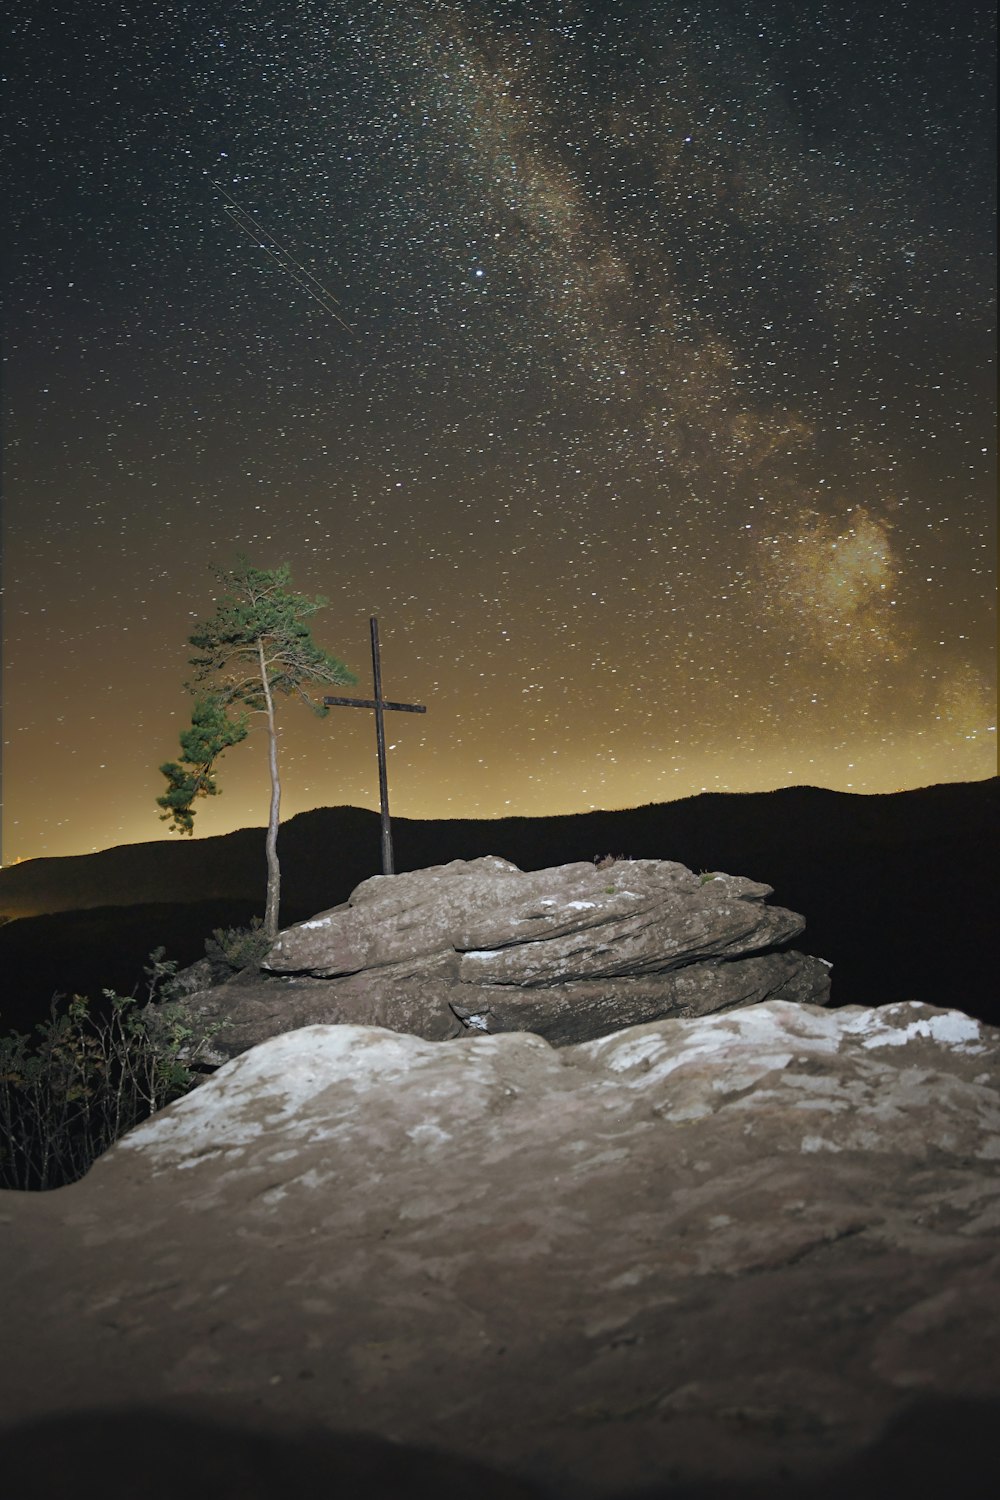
<point>813,1143</point>
<point>290,1072</point>
<point>880,1028</point>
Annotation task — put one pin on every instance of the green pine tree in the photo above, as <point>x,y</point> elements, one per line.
<point>256,646</point>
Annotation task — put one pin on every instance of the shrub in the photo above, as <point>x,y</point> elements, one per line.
<point>87,1077</point>
<point>239,948</point>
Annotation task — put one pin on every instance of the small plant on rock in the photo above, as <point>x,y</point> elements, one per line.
<point>239,948</point>
<point>605,861</point>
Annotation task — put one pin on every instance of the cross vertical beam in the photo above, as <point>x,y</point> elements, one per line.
<point>379,704</point>
<point>383,775</point>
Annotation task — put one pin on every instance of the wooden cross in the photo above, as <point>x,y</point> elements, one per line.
<point>379,704</point>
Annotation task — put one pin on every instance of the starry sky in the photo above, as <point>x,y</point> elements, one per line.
<point>631,362</point>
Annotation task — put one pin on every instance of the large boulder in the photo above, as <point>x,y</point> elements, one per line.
<point>570,922</point>
<point>731,1248</point>
<point>570,953</point>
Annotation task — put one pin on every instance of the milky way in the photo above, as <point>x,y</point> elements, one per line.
<point>631,362</point>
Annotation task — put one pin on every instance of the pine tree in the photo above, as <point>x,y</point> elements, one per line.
<point>256,646</point>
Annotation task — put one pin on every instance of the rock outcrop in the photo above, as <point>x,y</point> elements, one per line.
<point>570,953</point>
<point>724,1248</point>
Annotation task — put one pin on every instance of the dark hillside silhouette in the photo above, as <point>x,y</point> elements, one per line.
<point>897,890</point>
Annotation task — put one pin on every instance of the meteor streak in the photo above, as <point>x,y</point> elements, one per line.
<point>282,257</point>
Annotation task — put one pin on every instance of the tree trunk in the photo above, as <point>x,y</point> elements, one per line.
<point>271,843</point>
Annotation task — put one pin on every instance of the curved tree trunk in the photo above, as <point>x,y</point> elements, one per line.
<point>271,842</point>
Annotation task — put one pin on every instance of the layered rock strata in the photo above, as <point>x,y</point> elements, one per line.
<point>570,953</point>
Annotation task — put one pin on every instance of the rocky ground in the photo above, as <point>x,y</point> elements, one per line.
<point>726,1249</point>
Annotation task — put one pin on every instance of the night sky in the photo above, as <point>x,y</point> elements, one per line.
<point>653,416</point>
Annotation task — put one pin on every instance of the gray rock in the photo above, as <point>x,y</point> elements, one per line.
<point>585,1009</point>
<point>721,1249</point>
<point>569,922</point>
<point>570,953</point>
<point>394,918</point>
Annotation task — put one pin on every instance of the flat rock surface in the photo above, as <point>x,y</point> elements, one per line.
<point>727,1247</point>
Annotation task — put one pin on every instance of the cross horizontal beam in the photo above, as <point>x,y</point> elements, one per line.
<point>406,708</point>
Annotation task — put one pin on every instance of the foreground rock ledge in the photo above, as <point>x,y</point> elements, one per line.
<point>708,1249</point>
<point>569,953</point>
